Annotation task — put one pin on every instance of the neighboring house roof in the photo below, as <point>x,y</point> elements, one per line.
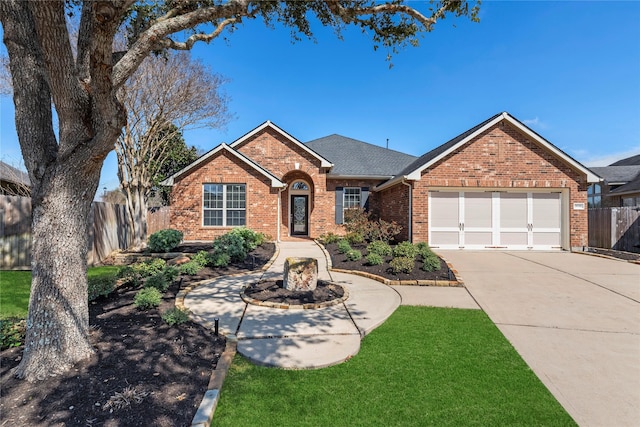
<point>628,188</point>
<point>353,158</point>
<point>10,174</point>
<point>617,175</point>
<point>275,182</point>
<point>323,161</point>
<point>629,161</point>
<point>414,170</point>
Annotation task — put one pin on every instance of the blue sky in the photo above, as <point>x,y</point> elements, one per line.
<point>569,70</point>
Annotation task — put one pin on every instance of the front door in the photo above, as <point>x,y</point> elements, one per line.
<point>299,215</point>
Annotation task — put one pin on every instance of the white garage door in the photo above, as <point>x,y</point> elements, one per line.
<point>495,219</point>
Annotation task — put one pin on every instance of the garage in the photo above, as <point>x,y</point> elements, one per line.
<point>496,219</point>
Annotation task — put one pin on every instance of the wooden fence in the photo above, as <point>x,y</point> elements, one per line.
<point>109,231</point>
<point>157,219</point>
<point>615,228</point>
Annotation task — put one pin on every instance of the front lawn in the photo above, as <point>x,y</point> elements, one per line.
<point>423,366</point>
<point>16,285</point>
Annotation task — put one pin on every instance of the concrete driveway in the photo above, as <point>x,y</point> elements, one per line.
<point>574,318</point>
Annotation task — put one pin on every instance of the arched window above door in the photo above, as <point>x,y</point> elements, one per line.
<point>300,185</point>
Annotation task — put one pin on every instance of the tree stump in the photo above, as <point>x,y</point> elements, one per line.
<point>300,274</point>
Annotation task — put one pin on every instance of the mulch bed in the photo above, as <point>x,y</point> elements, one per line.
<point>168,367</point>
<point>384,270</point>
<point>272,291</point>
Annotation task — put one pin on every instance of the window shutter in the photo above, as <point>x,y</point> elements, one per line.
<point>339,210</point>
<point>364,198</point>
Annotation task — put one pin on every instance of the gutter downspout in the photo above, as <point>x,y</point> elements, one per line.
<point>279,211</point>
<point>410,209</point>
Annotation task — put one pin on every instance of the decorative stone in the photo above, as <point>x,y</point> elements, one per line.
<point>300,274</point>
<point>179,260</point>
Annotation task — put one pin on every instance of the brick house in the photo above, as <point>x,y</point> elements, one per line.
<point>497,185</point>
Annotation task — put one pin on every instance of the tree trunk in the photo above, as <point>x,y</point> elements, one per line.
<point>137,209</point>
<point>58,320</point>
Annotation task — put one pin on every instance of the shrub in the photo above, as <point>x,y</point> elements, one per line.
<point>101,285</point>
<point>147,298</point>
<point>158,281</point>
<point>133,274</point>
<point>431,262</point>
<point>164,240</point>
<point>190,268</point>
<point>232,244</point>
<point>383,230</point>
<point>344,246</point>
<point>359,221</point>
<point>171,272</point>
<point>354,255</point>
<point>374,259</point>
<point>354,238</point>
<point>219,259</point>
<point>379,247</point>
<point>402,265</point>
<point>175,316</point>
<point>405,250</point>
<point>201,258</point>
<point>328,238</point>
<point>251,239</point>
<point>12,332</point>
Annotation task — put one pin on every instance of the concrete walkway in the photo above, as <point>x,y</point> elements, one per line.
<point>575,320</point>
<point>294,338</point>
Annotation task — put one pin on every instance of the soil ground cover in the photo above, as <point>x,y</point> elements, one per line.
<point>340,261</point>
<point>273,291</point>
<point>161,371</point>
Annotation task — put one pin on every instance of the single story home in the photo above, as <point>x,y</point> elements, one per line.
<point>621,184</point>
<point>496,185</point>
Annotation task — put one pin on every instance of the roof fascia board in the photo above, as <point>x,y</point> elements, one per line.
<point>275,182</point>
<point>394,181</point>
<point>377,177</point>
<point>323,162</point>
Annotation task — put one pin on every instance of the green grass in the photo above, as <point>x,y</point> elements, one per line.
<point>16,285</point>
<point>423,366</point>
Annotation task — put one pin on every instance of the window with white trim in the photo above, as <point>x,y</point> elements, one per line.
<point>351,198</point>
<point>224,205</point>
<point>594,195</point>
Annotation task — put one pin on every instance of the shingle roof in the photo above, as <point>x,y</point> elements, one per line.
<point>351,157</point>
<point>630,187</point>
<point>619,174</point>
<point>10,174</point>
<point>629,161</point>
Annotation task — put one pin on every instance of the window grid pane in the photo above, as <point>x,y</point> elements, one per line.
<point>351,198</point>
<point>224,205</point>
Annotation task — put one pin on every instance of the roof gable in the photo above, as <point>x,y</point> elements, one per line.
<point>275,182</point>
<point>354,158</point>
<point>414,170</point>
<point>323,161</point>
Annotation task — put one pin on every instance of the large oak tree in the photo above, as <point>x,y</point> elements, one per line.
<point>82,81</point>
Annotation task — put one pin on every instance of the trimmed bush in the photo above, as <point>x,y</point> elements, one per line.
<point>374,259</point>
<point>252,239</point>
<point>158,281</point>
<point>101,285</point>
<point>190,268</point>
<point>380,248</point>
<point>344,246</point>
<point>12,332</point>
<point>405,250</point>
<point>354,255</point>
<point>219,259</point>
<point>164,240</point>
<point>171,272</point>
<point>431,262</point>
<point>201,258</point>
<point>175,316</point>
<point>354,238</point>
<point>328,238</point>
<point>402,265</point>
<point>232,244</point>
<point>147,298</point>
<point>133,274</point>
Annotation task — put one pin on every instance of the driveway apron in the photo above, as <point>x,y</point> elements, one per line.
<point>575,319</point>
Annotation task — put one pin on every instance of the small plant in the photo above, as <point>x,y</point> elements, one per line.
<point>431,262</point>
<point>374,259</point>
<point>98,286</point>
<point>190,268</point>
<point>158,281</point>
<point>124,399</point>
<point>133,274</point>
<point>251,239</point>
<point>219,259</point>
<point>402,265</point>
<point>147,298</point>
<point>175,316</point>
<point>232,244</point>
<point>164,240</point>
<point>171,272</point>
<point>201,258</point>
<point>328,238</point>
<point>12,332</point>
<point>344,246</point>
<point>379,247</point>
<point>354,255</point>
<point>405,250</point>
<point>354,238</point>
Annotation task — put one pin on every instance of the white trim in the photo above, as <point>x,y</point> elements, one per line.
<point>324,163</point>
<point>275,182</point>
